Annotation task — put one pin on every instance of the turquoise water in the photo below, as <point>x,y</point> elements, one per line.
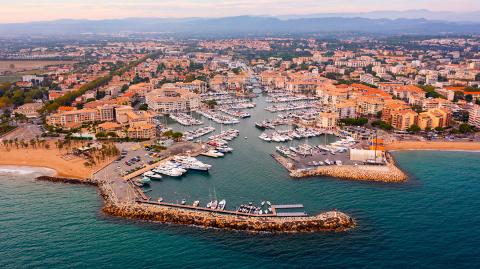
<point>431,221</point>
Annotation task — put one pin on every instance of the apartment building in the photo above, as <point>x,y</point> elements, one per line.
<point>170,98</point>
<point>474,116</point>
<point>433,118</point>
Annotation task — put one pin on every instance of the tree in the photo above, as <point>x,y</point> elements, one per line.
<point>211,104</point>
<point>143,107</point>
<point>465,128</point>
<point>458,96</point>
<point>177,135</point>
<point>382,125</point>
<point>468,98</point>
<point>354,122</point>
<point>124,88</point>
<point>414,129</point>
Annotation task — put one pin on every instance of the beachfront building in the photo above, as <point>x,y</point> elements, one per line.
<point>474,116</point>
<point>170,98</point>
<point>72,118</point>
<point>403,119</point>
<point>434,118</point>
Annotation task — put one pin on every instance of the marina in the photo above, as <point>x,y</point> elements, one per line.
<point>218,118</point>
<point>197,133</point>
<point>290,106</point>
<point>185,119</point>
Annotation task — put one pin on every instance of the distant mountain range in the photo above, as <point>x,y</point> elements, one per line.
<point>465,17</point>
<point>242,25</point>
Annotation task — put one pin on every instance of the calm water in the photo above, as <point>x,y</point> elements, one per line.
<point>431,221</point>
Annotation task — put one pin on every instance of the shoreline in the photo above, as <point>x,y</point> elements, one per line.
<point>433,146</point>
<point>64,164</point>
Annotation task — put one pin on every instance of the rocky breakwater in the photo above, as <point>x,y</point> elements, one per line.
<point>67,180</point>
<point>383,173</point>
<point>327,221</point>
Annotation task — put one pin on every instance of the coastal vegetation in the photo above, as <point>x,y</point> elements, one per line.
<point>354,121</point>
<point>382,125</point>
<point>12,95</point>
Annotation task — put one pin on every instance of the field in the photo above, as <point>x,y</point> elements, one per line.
<point>16,69</point>
<point>19,66</point>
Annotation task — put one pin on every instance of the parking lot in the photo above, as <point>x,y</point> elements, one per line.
<point>302,162</point>
<point>24,132</point>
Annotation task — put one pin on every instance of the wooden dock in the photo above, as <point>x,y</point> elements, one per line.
<point>287,206</point>
<point>204,209</point>
<point>145,169</point>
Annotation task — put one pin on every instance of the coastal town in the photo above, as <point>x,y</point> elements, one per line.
<point>123,114</point>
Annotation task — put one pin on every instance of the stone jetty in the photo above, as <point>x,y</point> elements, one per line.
<point>68,180</point>
<point>327,221</point>
<point>382,173</point>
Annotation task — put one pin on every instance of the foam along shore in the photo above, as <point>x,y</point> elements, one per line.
<point>383,173</point>
<point>26,170</point>
<point>143,210</point>
<point>434,145</point>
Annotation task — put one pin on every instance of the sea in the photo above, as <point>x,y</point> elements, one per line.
<point>430,221</point>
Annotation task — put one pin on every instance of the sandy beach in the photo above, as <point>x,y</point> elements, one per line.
<point>434,145</point>
<point>49,158</point>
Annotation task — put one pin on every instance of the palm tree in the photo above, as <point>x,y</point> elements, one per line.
<point>33,142</point>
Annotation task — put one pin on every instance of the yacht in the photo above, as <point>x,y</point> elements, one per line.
<point>224,149</point>
<point>265,137</point>
<point>213,153</point>
<point>191,163</point>
<point>170,170</point>
<point>144,180</point>
<point>152,175</point>
<point>196,203</point>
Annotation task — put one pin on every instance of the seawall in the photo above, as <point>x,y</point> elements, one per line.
<point>384,173</point>
<point>327,221</point>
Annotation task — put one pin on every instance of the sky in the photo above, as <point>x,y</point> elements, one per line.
<point>46,10</point>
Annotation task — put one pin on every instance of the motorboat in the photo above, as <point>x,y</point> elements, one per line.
<point>152,175</point>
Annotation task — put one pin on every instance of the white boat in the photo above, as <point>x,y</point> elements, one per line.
<point>152,175</point>
<point>224,149</point>
<point>169,169</point>
<point>144,180</point>
<point>196,203</point>
<point>214,204</point>
<point>191,163</point>
<point>183,202</point>
<point>265,137</point>
<point>213,153</point>
<point>221,205</point>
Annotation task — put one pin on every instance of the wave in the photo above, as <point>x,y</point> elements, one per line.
<point>25,170</point>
